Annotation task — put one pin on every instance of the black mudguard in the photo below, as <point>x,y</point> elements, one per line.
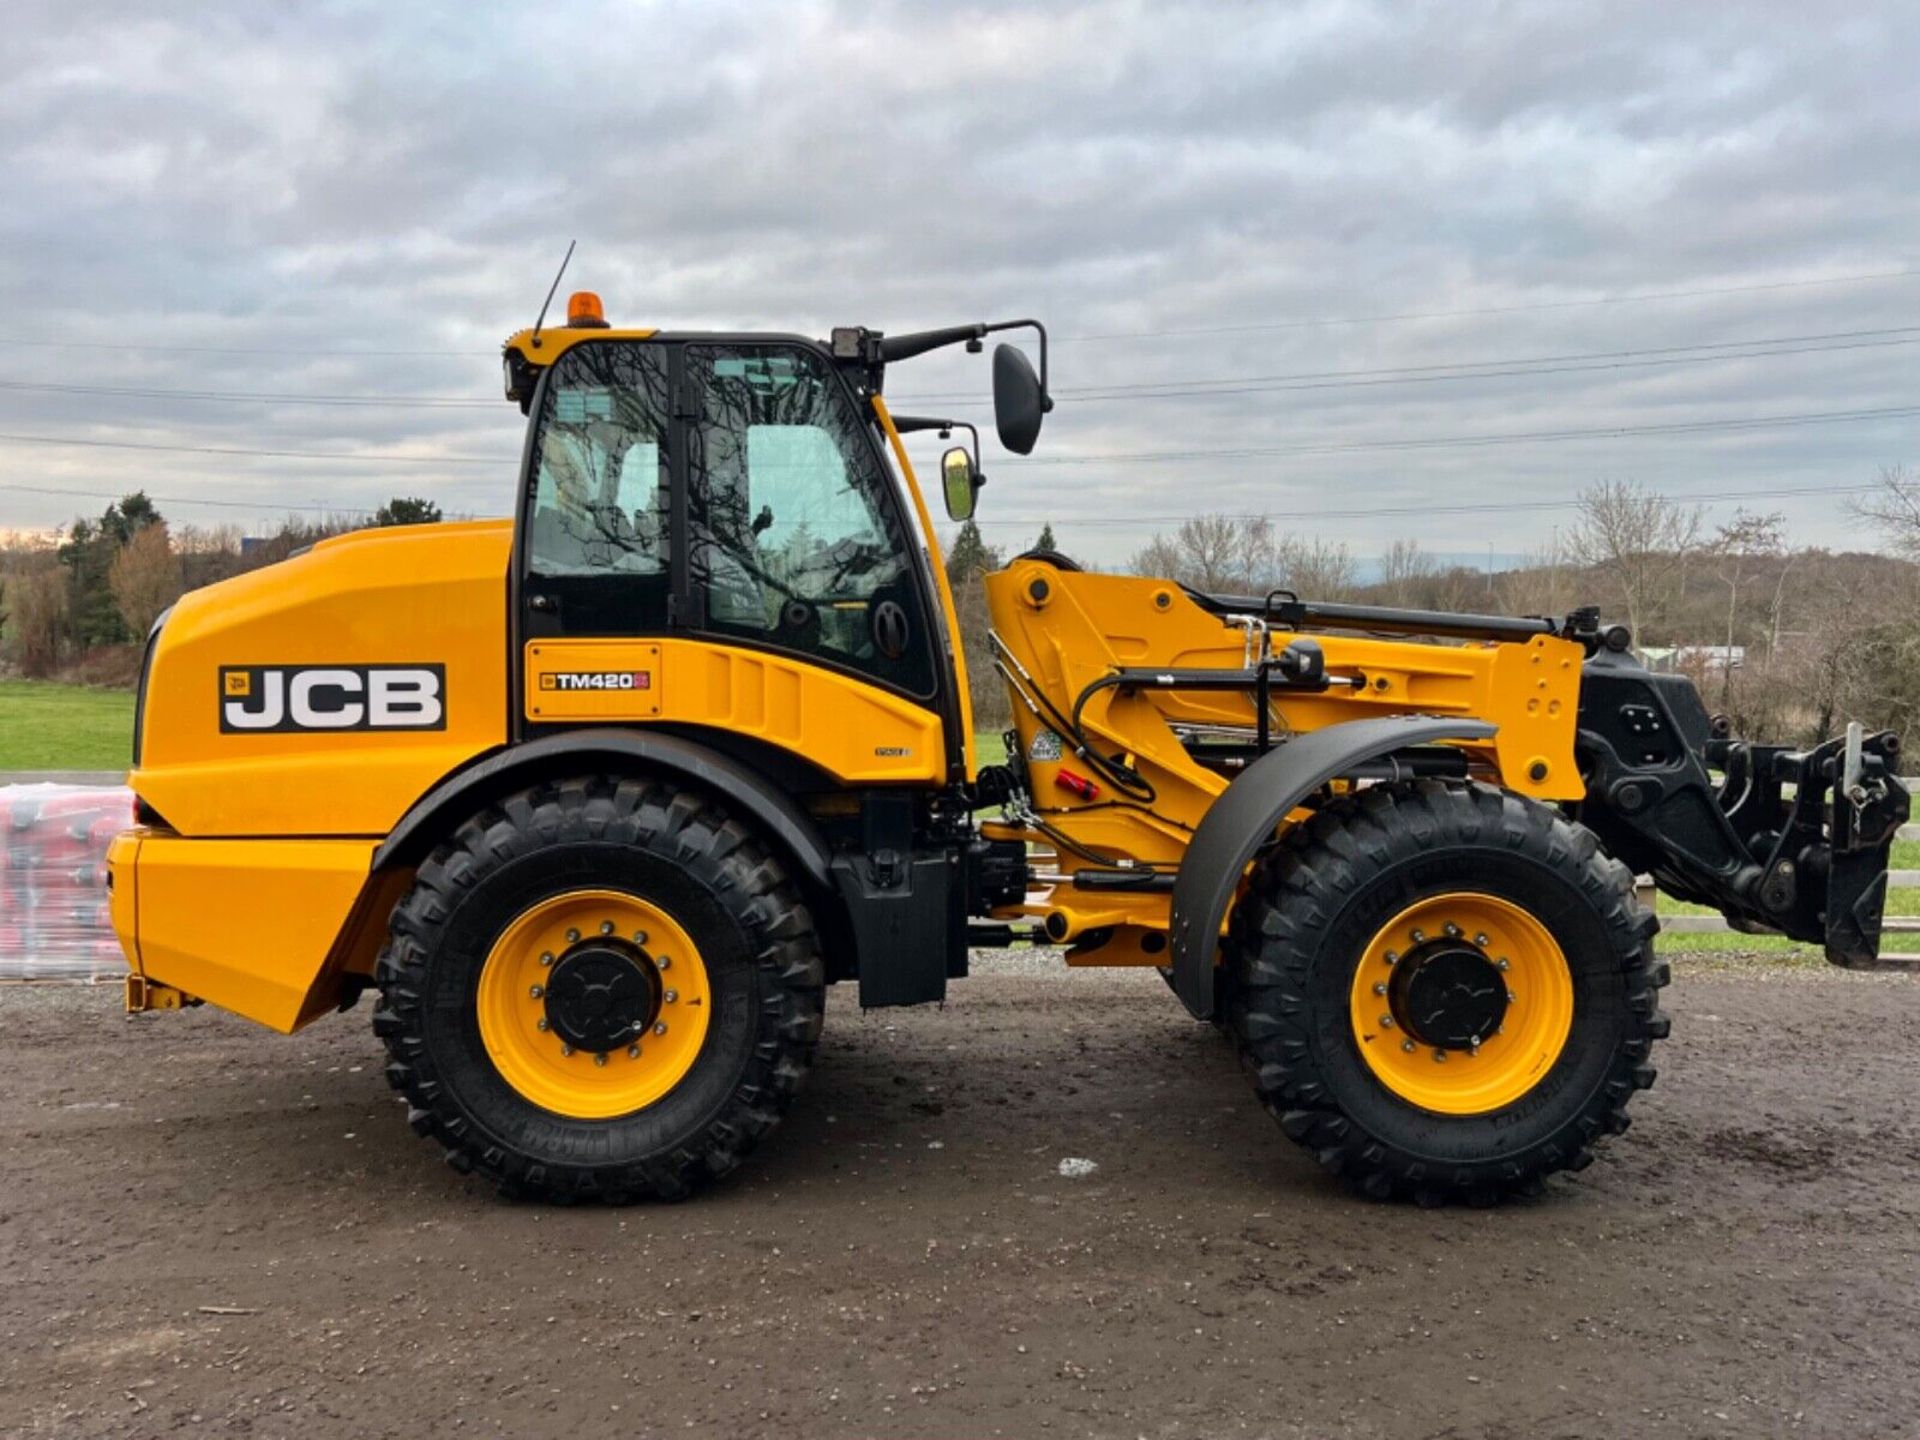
<point>1245,817</point>
<point>584,750</point>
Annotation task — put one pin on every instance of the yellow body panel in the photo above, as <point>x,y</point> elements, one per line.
<point>856,732</point>
<point>1064,630</point>
<point>555,340</point>
<point>406,596</point>
<point>248,925</point>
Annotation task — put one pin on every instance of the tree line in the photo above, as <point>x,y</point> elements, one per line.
<point>78,604</point>
<point>1789,641</point>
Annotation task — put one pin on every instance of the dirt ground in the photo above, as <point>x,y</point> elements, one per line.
<point>206,1227</point>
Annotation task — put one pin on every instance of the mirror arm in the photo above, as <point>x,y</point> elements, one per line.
<point>908,424</point>
<point>877,351</point>
<point>905,347</point>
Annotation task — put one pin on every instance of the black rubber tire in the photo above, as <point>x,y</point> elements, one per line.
<point>1312,906</point>
<point>677,849</point>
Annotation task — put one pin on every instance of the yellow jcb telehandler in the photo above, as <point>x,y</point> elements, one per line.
<point>601,800</point>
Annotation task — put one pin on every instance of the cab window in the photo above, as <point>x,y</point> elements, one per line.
<point>794,532</point>
<point>597,540</point>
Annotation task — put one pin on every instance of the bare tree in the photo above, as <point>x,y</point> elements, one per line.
<point>1316,569</point>
<point>1404,571</point>
<point>1893,509</point>
<point>1539,586</point>
<point>1737,548</point>
<point>145,578</point>
<point>1214,552</point>
<point>36,616</point>
<point>1640,541</point>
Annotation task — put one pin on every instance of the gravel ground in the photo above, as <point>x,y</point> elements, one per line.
<point>207,1227</point>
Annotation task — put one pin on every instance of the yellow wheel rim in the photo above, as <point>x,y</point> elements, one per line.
<point>544,981</point>
<point>1455,1078</point>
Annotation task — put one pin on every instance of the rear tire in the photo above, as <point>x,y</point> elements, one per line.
<point>1327,927</point>
<point>596,1119</point>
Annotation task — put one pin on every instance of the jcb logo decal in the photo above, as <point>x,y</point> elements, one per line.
<point>596,679</point>
<point>279,698</point>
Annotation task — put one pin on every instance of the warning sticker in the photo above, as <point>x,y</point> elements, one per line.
<point>1046,746</point>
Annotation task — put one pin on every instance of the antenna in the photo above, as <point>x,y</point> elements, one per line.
<point>551,289</point>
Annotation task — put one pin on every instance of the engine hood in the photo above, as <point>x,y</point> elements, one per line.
<point>324,694</point>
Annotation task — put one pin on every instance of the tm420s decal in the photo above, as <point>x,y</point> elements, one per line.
<point>280,698</point>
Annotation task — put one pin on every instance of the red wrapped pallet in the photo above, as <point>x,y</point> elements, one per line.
<point>54,922</point>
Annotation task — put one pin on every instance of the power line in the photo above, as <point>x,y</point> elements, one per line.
<point>257,506</point>
<point>303,350</point>
<point>1495,309</point>
<point>1494,507</point>
<point>1306,323</point>
<point>144,392</point>
<point>230,450</point>
<point>1147,390</point>
<point>1476,369</point>
<point>1439,442</point>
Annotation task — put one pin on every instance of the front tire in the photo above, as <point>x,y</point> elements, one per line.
<point>602,989</point>
<point>1445,992</point>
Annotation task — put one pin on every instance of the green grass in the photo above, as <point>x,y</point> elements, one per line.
<point>44,726</point>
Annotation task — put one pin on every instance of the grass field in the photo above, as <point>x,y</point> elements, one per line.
<point>44,726</point>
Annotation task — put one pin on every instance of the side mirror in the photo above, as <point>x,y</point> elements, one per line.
<point>960,481</point>
<point>1019,400</point>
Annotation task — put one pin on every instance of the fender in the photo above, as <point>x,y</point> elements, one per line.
<point>1252,807</point>
<point>506,770</point>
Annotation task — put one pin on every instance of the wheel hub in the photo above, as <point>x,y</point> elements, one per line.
<point>602,995</point>
<point>1448,995</point>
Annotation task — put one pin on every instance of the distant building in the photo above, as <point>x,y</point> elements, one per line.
<point>1709,658</point>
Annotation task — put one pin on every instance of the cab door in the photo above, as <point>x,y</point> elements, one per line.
<point>795,535</point>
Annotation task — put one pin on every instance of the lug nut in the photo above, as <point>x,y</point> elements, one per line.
<point>1393,957</point>
<point>662,963</point>
<point>1386,1022</point>
<point>660,1028</point>
<point>536,991</point>
<point>1380,989</point>
<point>546,958</point>
<point>1419,937</point>
<point>672,996</point>
<point>600,1059</point>
<point>1439,1057</point>
<point>606,927</point>
<point>541,1023</point>
<point>1453,930</point>
<point>1481,940</point>
<point>633,1052</point>
<point>1511,997</point>
<point>573,936</point>
<point>566,1049</point>
<point>639,937</point>
<point>1503,963</point>
<point>1407,1045</point>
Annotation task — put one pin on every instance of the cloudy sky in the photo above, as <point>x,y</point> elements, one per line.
<point>1372,269</point>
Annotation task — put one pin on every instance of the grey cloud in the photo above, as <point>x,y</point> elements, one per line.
<point>329,180</point>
